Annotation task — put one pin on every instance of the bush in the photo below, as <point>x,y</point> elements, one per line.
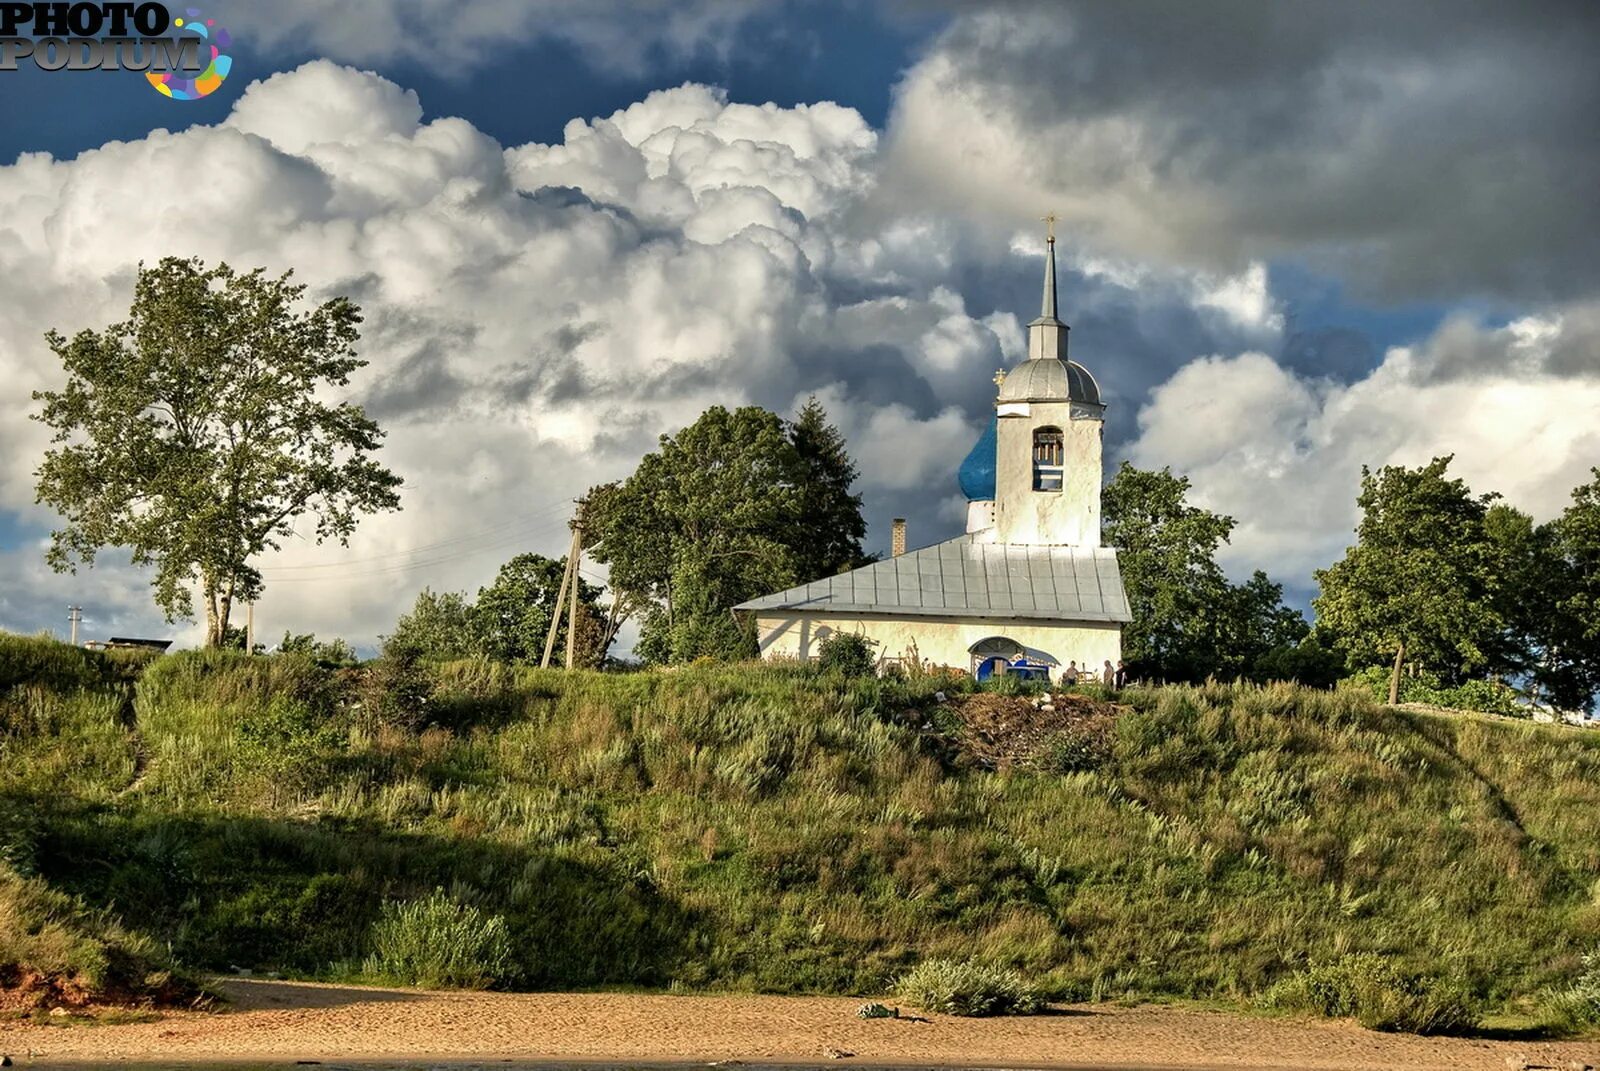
<point>1373,991</point>
<point>1489,697</point>
<point>967,988</point>
<point>848,654</point>
<point>438,943</point>
<point>1577,1007</point>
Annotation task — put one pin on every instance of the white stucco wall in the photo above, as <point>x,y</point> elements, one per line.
<point>939,641</point>
<point>1069,516</point>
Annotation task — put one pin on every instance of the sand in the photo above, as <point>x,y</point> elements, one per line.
<point>281,1022</point>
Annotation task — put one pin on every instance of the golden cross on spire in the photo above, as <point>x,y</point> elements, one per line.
<point>1049,226</point>
<point>999,376</point>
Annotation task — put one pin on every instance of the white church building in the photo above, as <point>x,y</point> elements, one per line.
<point>1029,583</point>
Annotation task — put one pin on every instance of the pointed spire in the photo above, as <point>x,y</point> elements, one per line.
<point>1048,310</point>
<point>1047,336</point>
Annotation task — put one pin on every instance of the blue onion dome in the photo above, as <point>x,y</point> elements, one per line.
<point>977,471</point>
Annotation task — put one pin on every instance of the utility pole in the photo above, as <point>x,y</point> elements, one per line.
<point>577,583</point>
<point>74,615</point>
<point>250,627</point>
<point>560,605</point>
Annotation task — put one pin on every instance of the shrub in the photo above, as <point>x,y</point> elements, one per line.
<point>1489,697</point>
<point>1373,991</point>
<point>393,692</point>
<point>1577,1007</point>
<point>848,654</point>
<point>438,943</point>
<point>967,988</point>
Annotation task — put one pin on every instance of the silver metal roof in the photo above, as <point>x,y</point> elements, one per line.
<point>1049,380</point>
<point>966,578</point>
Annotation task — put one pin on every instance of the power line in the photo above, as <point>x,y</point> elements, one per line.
<point>498,529</point>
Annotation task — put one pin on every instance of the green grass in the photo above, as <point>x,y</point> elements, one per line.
<point>769,828</point>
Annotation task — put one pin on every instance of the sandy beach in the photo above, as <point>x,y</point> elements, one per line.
<point>279,1022</point>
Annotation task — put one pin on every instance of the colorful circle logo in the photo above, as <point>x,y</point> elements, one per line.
<point>179,87</point>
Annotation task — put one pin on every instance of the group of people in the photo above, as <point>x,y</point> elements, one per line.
<point>1110,676</point>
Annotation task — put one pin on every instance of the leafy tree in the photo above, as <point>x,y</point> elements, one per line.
<point>1255,622</point>
<point>1567,641</point>
<point>1419,583</point>
<point>1310,661</point>
<point>513,614</point>
<point>440,626</point>
<point>1189,623</point>
<point>333,653</point>
<point>1176,590</point>
<point>193,434</point>
<point>735,505</point>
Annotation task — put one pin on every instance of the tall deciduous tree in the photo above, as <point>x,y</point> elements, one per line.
<point>1176,591</point>
<point>738,504</point>
<point>1567,662</point>
<point>193,434</point>
<point>1189,622</point>
<point>1419,583</point>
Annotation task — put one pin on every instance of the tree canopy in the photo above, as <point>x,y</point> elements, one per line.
<point>508,622</point>
<point>738,504</point>
<point>193,433</point>
<point>1419,582</point>
<point>1189,622</point>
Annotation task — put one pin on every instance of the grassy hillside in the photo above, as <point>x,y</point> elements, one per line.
<point>760,827</point>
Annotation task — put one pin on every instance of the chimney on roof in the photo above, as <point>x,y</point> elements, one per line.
<point>897,540</point>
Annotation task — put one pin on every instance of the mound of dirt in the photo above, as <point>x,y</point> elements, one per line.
<point>24,989</point>
<point>1000,731</point>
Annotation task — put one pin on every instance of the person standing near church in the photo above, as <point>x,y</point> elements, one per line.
<point>1069,676</point>
<point>1108,676</point>
<point>1122,675</point>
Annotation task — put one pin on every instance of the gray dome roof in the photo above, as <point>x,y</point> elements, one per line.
<point>1050,380</point>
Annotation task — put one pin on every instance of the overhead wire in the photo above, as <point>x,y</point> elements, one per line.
<point>441,552</point>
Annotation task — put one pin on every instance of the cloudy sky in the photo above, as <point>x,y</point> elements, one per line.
<point>1296,239</point>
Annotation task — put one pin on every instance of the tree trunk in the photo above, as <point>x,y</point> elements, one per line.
<point>208,589</point>
<point>219,607</point>
<point>1394,678</point>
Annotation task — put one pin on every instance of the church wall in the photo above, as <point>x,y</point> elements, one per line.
<point>939,641</point>
<point>1069,516</point>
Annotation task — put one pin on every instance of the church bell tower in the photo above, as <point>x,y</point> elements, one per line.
<point>1049,423</point>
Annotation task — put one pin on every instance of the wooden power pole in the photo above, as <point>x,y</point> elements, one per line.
<point>569,581</point>
<point>576,560</point>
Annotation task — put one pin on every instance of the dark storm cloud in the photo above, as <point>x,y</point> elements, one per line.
<point>1434,148</point>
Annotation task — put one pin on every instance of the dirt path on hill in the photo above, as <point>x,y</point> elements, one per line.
<point>278,1022</point>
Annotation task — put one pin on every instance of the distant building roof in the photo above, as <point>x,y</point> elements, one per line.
<point>125,641</point>
<point>966,578</point>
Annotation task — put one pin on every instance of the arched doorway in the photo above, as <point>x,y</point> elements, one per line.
<point>993,656</point>
<point>1002,654</point>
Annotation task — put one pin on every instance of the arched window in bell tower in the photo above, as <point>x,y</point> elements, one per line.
<point>1048,459</point>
